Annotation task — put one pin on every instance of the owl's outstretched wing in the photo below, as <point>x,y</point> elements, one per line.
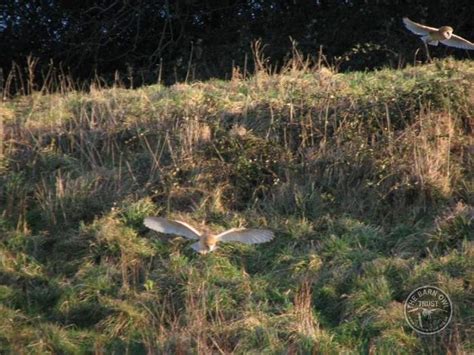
<point>246,236</point>
<point>418,28</point>
<point>458,42</point>
<point>168,226</point>
<point>199,248</point>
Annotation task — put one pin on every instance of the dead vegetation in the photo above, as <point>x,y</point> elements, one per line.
<point>366,178</point>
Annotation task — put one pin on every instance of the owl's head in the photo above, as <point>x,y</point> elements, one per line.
<point>446,31</point>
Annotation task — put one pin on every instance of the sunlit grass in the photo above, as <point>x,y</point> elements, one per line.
<point>366,179</point>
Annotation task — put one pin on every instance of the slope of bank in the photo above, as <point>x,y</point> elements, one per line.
<point>366,179</point>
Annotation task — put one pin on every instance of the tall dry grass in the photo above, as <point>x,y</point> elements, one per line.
<point>365,177</point>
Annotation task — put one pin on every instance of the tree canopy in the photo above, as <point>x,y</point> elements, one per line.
<point>102,36</point>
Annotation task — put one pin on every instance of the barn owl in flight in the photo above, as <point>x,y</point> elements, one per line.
<point>432,35</point>
<point>207,241</point>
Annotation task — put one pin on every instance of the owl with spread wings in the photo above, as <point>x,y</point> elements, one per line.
<point>207,241</point>
<point>432,35</point>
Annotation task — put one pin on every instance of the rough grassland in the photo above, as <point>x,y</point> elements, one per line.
<point>366,178</point>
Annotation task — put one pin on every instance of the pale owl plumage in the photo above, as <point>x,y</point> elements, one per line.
<point>207,241</point>
<point>432,35</point>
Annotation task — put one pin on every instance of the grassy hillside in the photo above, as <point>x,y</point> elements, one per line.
<point>367,180</point>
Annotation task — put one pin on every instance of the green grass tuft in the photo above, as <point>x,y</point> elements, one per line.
<point>365,177</point>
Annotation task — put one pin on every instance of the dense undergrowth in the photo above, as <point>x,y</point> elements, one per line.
<point>366,179</point>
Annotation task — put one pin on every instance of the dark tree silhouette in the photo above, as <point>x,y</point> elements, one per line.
<point>101,37</point>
